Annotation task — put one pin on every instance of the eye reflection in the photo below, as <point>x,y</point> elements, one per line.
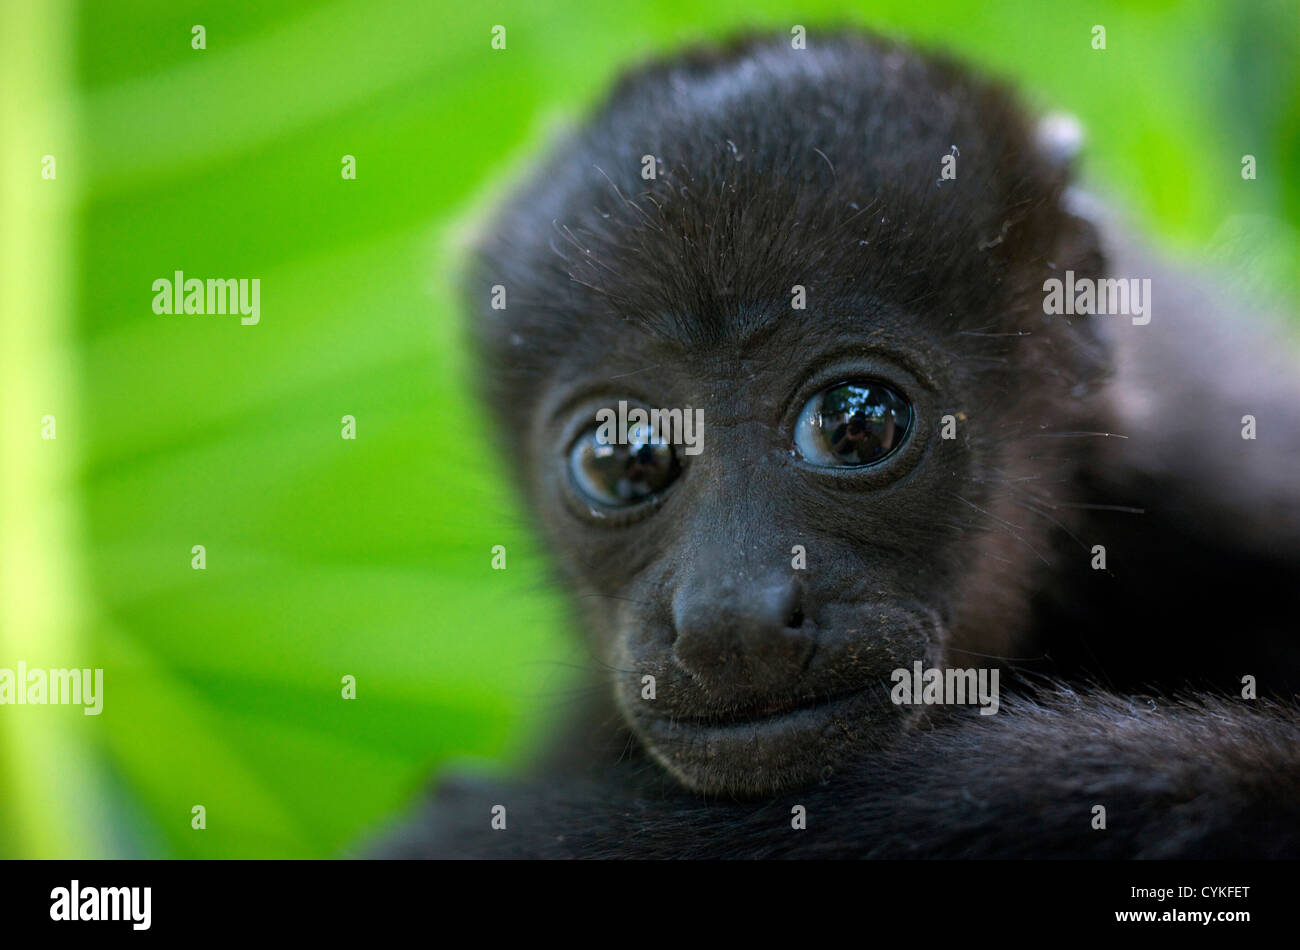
<point>852,424</point>
<point>622,475</point>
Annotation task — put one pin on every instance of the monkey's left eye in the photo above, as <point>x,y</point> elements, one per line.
<point>852,424</point>
<point>622,475</point>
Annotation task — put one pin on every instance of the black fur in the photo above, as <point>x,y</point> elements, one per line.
<point>1178,780</point>
<point>821,168</point>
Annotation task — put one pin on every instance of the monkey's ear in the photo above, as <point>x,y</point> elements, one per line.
<point>1079,248</point>
<point>1079,243</point>
<point>1059,138</point>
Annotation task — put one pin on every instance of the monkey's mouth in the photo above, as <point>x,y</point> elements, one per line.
<point>757,733</point>
<point>758,712</point>
<point>768,746</point>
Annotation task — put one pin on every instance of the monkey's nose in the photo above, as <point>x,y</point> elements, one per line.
<point>737,635</point>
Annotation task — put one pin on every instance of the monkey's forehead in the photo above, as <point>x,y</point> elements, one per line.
<point>850,117</point>
<point>710,185</point>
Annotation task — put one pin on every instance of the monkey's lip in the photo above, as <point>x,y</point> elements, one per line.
<point>768,747</point>
<point>775,720</point>
<point>767,711</point>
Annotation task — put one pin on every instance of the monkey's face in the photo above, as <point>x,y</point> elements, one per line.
<point>754,580</point>
<point>860,352</point>
<point>847,498</point>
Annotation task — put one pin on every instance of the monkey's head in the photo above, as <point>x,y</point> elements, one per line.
<point>836,257</point>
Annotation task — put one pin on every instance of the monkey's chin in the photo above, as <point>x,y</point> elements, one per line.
<point>767,755</point>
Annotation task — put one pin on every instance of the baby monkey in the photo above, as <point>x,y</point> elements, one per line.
<point>965,451</point>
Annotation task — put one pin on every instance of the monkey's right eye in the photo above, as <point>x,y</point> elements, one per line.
<point>853,424</point>
<point>622,475</point>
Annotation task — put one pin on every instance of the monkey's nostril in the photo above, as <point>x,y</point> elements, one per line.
<point>796,619</point>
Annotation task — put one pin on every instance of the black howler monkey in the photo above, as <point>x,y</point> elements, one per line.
<point>843,257</point>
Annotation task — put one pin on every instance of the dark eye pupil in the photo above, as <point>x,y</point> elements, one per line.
<point>622,474</point>
<point>862,423</point>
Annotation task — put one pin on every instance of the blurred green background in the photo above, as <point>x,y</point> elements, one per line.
<point>371,557</point>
